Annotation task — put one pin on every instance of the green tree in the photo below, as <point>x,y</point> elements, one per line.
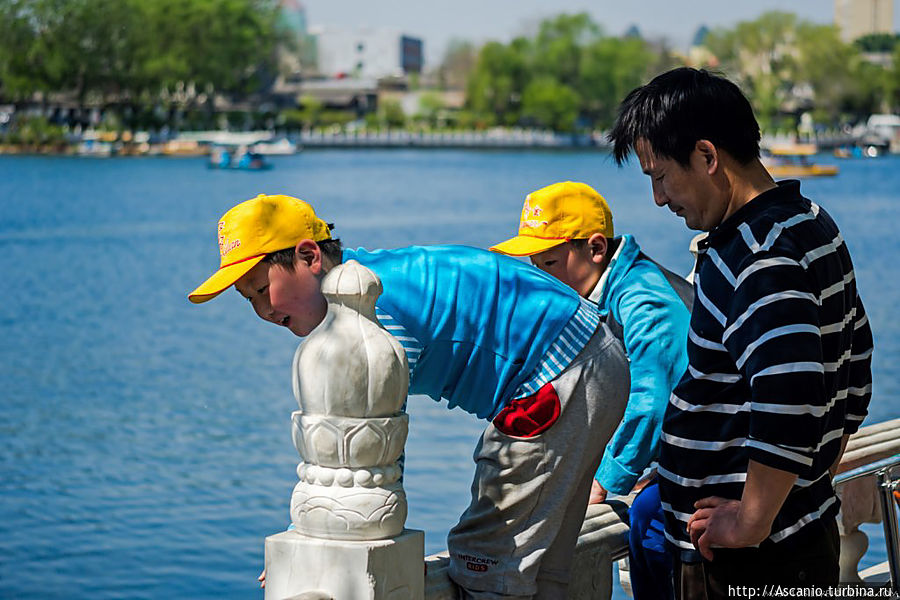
<point>892,83</point>
<point>221,45</point>
<point>609,69</point>
<point>828,67</point>
<point>569,54</point>
<point>80,46</point>
<point>788,66</point>
<point>130,51</point>
<point>559,45</point>
<point>759,55</point>
<point>550,103</point>
<point>307,116</point>
<point>500,76</point>
<point>391,113</point>
<point>431,105</point>
<point>458,63</point>
<point>877,42</point>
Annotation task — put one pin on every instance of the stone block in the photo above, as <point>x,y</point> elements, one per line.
<point>393,569</point>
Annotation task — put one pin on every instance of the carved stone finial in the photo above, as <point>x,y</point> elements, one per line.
<point>351,378</point>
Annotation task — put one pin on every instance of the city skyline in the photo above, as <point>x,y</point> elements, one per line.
<point>480,21</point>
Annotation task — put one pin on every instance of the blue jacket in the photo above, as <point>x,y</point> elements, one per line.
<point>654,321</point>
<point>484,320</point>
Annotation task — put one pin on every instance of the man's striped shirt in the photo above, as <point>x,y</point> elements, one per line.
<point>779,355</point>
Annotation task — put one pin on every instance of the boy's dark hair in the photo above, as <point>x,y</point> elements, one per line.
<point>578,243</point>
<point>680,107</point>
<point>332,250</point>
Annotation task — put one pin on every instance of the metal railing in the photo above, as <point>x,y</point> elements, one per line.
<point>887,487</point>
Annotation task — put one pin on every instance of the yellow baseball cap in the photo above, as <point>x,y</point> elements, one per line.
<point>253,229</point>
<point>555,214</point>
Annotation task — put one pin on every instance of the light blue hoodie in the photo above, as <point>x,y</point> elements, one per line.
<point>484,321</point>
<point>654,320</point>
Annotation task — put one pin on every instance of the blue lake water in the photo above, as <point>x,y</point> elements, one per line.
<point>146,448</point>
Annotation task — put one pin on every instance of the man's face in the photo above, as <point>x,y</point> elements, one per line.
<point>292,299</point>
<point>573,266</point>
<point>689,192</point>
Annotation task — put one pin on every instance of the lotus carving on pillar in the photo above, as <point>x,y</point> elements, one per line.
<point>350,379</point>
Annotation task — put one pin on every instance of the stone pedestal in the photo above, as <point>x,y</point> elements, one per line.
<point>348,507</point>
<point>389,569</point>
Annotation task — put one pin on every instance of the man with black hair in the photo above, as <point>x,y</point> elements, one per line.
<point>779,347</point>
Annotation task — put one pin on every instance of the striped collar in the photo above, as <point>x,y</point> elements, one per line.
<point>785,191</point>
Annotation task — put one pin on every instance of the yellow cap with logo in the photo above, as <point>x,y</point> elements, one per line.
<point>555,214</point>
<point>253,229</point>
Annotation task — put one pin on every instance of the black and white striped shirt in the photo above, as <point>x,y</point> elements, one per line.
<point>779,355</point>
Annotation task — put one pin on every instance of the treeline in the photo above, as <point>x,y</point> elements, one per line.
<point>137,55</point>
<point>568,76</point>
<point>789,66</point>
<point>152,63</point>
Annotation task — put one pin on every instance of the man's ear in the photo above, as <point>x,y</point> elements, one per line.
<point>308,252</point>
<point>598,245</point>
<point>709,153</point>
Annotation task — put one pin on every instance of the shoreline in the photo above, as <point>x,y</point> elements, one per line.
<point>194,144</point>
<point>202,143</point>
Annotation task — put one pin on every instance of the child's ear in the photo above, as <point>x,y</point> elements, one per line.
<point>308,252</point>
<point>598,245</point>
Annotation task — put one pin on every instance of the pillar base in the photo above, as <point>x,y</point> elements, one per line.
<point>391,569</point>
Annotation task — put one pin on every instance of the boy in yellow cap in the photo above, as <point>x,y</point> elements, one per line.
<point>490,334</point>
<point>567,230</point>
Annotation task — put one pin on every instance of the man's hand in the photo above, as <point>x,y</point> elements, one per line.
<point>717,522</point>
<point>598,493</point>
<point>262,579</point>
<point>745,522</point>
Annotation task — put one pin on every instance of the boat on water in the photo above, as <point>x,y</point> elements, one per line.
<point>259,167</point>
<point>237,159</point>
<point>180,147</point>
<point>794,161</point>
<point>280,147</point>
<point>857,151</point>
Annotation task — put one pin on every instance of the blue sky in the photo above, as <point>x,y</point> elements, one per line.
<point>482,20</point>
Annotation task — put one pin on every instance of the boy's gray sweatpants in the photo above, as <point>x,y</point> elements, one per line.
<point>529,496</point>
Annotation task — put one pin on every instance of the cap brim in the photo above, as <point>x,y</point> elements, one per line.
<point>222,279</point>
<point>523,245</point>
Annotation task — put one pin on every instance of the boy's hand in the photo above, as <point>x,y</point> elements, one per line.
<point>640,485</point>
<point>598,493</point>
<point>262,579</point>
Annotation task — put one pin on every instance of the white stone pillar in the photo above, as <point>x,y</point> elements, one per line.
<point>350,378</point>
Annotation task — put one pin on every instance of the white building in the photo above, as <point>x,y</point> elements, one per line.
<point>856,18</point>
<point>366,52</point>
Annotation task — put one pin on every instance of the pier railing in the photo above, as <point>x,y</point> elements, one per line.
<point>864,473</point>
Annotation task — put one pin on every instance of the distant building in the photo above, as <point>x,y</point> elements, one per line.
<point>293,15</point>
<point>357,95</point>
<point>301,55</point>
<point>411,55</point>
<point>698,54</point>
<point>856,18</point>
<point>367,53</point>
<point>700,36</point>
<point>633,32</point>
